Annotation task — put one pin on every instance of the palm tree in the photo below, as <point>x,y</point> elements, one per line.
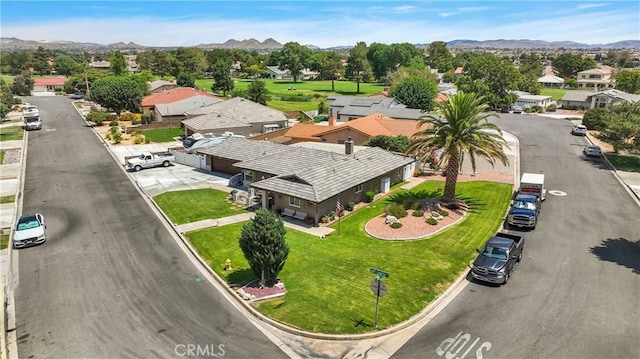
<point>463,129</point>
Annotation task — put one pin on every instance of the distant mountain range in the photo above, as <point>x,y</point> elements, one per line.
<point>14,44</point>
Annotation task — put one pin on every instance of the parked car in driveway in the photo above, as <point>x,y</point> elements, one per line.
<point>517,109</point>
<point>29,231</point>
<point>579,130</point>
<point>77,96</point>
<point>592,151</point>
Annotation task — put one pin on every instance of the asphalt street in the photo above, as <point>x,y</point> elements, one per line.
<point>575,293</point>
<point>111,281</point>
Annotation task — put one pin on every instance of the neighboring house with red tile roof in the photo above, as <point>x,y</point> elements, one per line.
<point>363,128</point>
<point>48,84</point>
<point>149,103</point>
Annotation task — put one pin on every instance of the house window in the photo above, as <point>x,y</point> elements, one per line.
<point>295,202</point>
<point>248,175</point>
<point>359,188</point>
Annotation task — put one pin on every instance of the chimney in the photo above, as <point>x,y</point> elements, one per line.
<point>332,121</point>
<point>348,147</point>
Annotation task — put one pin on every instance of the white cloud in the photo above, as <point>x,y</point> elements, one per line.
<point>590,6</point>
<point>404,8</point>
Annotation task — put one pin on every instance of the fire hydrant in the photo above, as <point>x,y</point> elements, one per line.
<point>227,264</point>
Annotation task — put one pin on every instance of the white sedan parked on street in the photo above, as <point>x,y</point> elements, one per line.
<point>29,231</point>
<point>592,151</point>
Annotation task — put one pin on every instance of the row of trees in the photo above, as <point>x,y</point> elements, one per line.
<point>617,125</point>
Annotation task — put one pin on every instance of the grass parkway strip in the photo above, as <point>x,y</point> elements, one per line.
<point>328,279</point>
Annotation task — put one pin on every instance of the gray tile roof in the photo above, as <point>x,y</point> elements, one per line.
<point>394,112</point>
<point>325,180</point>
<point>242,149</point>
<point>289,161</point>
<point>159,83</point>
<point>576,95</point>
<point>235,112</point>
<point>360,101</point>
<point>629,97</point>
<point>188,104</point>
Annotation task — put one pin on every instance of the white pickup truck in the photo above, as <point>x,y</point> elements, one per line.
<point>148,160</point>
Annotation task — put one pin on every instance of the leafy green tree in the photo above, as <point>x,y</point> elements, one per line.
<point>568,64</point>
<point>531,66</point>
<point>439,57</point>
<point>40,61</point>
<point>222,80</point>
<point>257,92</point>
<point>329,65</point>
<point>117,63</point>
<point>14,63</point>
<point>22,84</point>
<point>385,59</point>
<point>6,97</point>
<point>619,126</point>
<point>79,81</point>
<point>390,143</point>
<point>596,118</point>
<point>186,79</point>
<point>295,58</point>
<point>464,131</point>
<point>158,62</point>
<point>628,81</point>
<point>263,244</point>
<point>191,60</point>
<point>65,65</point>
<point>358,66</point>
<point>4,110</point>
<point>415,92</point>
<point>117,93</point>
<point>492,78</point>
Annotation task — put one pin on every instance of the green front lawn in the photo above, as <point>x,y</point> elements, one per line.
<point>7,199</point>
<point>11,133</point>
<point>195,205</point>
<point>2,154</point>
<point>4,240</point>
<point>159,135</point>
<point>556,94</point>
<point>328,279</point>
<point>629,163</point>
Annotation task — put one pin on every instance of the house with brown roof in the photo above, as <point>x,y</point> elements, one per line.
<point>363,128</point>
<point>150,102</point>
<point>48,84</point>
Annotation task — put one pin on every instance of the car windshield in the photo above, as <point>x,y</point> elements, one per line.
<point>33,120</point>
<point>524,205</point>
<point>28,223</point>
<point>495,252</point>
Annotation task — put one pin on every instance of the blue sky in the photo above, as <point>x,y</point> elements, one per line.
<point>321,23</point>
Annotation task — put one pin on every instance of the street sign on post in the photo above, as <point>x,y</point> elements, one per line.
<point>378,287</point>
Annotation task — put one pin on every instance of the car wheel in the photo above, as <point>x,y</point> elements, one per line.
<point>137,168</point>
<point>506,279</point>
<point>520,256</point>
<point>165,163</point>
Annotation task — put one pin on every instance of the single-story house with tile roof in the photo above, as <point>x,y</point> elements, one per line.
<point>551,81</point>
<point>48,84</point>
<point>347,108</point>
<point>274,73</point>
<point>306,178</point>
<point>176,110</point>
<point>312,188</point>
<point>100,65</point>
<point>575,99</point>
<point>161,85</point>
<point>610,97</point>
<point>528,100</point>
<point>363,128</point>
<point>149,102</point>
<point>221,157</point>
<point>237,115</point>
